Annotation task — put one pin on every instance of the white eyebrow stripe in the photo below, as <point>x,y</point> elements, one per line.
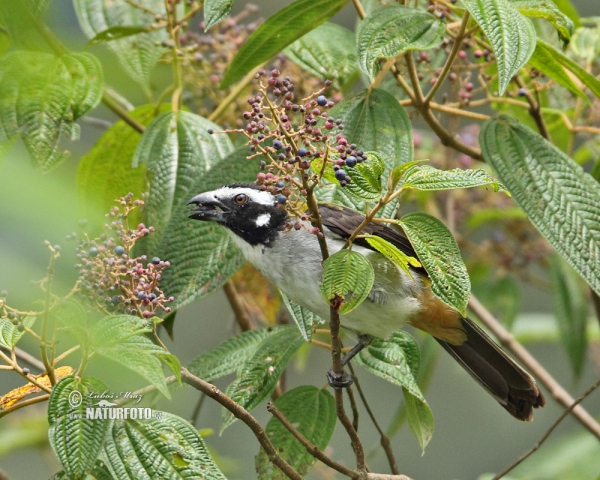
<point>263,219</point>
<point>257,196</point>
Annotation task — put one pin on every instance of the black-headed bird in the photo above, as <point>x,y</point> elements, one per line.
<point>291,259</point>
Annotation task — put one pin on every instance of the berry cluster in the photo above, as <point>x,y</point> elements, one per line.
<point>111,278</point>
<point>297,140</point>
<point>15,317</point>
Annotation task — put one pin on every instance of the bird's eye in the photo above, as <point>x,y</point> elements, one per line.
<point>241,198</point>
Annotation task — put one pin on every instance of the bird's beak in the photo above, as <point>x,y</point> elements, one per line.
<point>208,208</point>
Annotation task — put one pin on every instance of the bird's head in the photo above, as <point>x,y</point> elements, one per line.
<point>249,212</point>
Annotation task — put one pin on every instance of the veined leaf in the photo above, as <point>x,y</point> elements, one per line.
<point>137,53</point>
<point>420,418</point>
<point>587,78</point>
<point>570,310</point>
<point>312,412</point>
<point>201,254</point>
<point>75,439</point>
<point>348,275</point>
<point>511,34</point>
<point>178,150</point>
<point>366,181</point>
<point>543,59</point>
<point>566,7</point>
<point>116,32</point>
<point>277,32</point>
<point>586,41</point>
<point>559,198</point>
<point>259,375</point>
<point>328,52</point>
<point>215,11</point>
<point>426,177</point>
<point>393,253</point>
<point>392,30</point>
<point>398,172</point>
<point>10,334</point>
<point>166,446</point>
<point>439,254</point>
<point>547,10</point>
<point>303,317</point>
<point>231,355</point>
<point>42,96</point>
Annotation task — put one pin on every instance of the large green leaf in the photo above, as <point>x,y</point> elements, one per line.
<point>10,334</point>
<point>277,32</point>
<point>105,173</point>
<point>349,276</point>
<point>559,198</point>
<point>544,60</point>
<point>426,177</point>
<point>393,253</point>
<point>41,96</point>
<point>75,439</point>
<point>587,78</point>
<point>231,355</point>
<point>215,11</point>
<point>137,53</point>
<point>390,31</point>
<point>547,10</point>
<point>165,447</point>
<point>511,34</point>
<point>201,254</point>
<point>586,41</point>
<point>312,412</point>
<point>303,317</point>
<point>439,254</point>
<point>259,375</point>
<point>328,52</point>
<point>420,418</point>
<point>177,150</point>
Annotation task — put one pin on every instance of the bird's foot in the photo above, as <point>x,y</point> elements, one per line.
<point>339,380</point>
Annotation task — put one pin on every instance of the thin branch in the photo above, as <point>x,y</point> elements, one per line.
<point>510,343</point>
<point>534,108</point>
<point>241,413</point>
<point>548,432</point>
<point>235,301</point>
<point>25,403</point>
<point>109,101</point>
<point>353,406</point>
<point>28,358</point>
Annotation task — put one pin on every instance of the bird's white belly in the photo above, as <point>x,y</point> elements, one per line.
<point>299,273</point>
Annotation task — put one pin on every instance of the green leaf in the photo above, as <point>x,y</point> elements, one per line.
<point>543,59</point>
<point>595,173</point>
<point>116,32</point>
<point>366,178</point>
<point>231,355</point>
<point>178,150</point>
<point>426,177</point>
<point>439,254</point>
<point>420,418</point>
<point>215,11</point>
<point>327,52</point>
<point>560,199</point>
<point>277,32</point>
<point>398,172</point>
<point>259,375</point>
<point>10,334</point>
<point>586,41</point>
<point>393,253</point>
<point>201,253</point>
<point>312,412</point>
<point>173,363</point>
<point>138,54</point>
<point>547,10</point>
<point>587,78</point>
<point>390,31</point>
<point>303,317</point>
<point>348,275</point>
<point>42,96</point>
<point>165,447</point>
<point>105,172</point>
<point>121,338</point>
<point>493,215</point>
<point>566,7</point>
<point>75,439</point>
<point>511,34</point>
<point>570,310</point>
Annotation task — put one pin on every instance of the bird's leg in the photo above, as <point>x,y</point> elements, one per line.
<point>343,380</point>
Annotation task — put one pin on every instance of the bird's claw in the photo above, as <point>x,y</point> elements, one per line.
<point>339,380</point>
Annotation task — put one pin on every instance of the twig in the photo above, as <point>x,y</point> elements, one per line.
<point>510,343</point>
<point>548,432</point>
<point>235,301</point>
<point>48,361</point>
<point>112,104</point>
<point>24,403</point>
<point>534,108</point>
<point>28,358</point>
<point>241,413</point>
<point>310,448</point>
<point>353,406</point>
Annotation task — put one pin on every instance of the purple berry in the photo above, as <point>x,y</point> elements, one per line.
<point>340,175</point>
<point>302,152</point>
<point>351,161</point>
<point>277,144</point>
<point>322,100</point>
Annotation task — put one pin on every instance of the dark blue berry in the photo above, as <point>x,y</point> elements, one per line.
<point>522,92</point>
<point>340,175</point>
<point>119,250</point>
<point>321,100</point>
<point>281,199</point>
<point>114,300</point>
<point>302,152</point>
<point>155,260</point>
<point>93,252</point>
<point>351,161</point>
<point>26,371</point>
<point>280,184</point>
<point>142,295</point>
<point>277,144</point>
<point>210,131</point>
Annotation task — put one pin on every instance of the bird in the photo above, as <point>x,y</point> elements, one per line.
<point>291,259</point>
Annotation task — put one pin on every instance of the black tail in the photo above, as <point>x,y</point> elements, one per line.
<point>499,374</point>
